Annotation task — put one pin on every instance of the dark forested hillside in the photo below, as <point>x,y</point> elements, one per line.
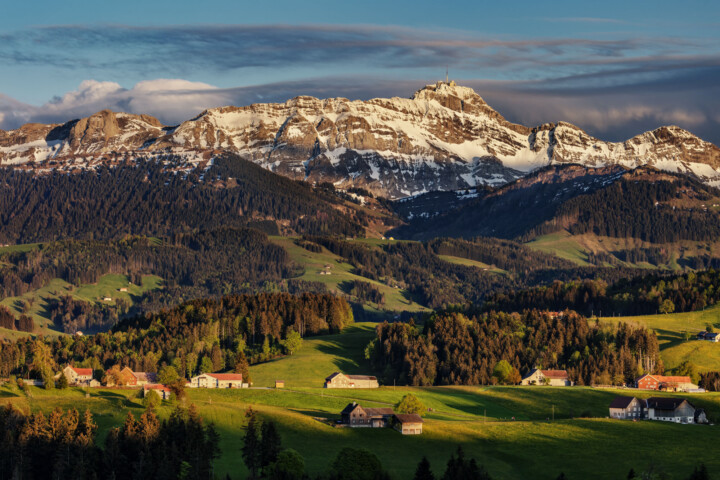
<point>613,201</point>
<point>148,199</point>
<point>649,294</point>
<point>192,265</point>
<point>452,349</point>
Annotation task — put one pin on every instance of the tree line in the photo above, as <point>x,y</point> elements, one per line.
<point>202,335</point>
<point>452,348</point>
<point>649,294</point>
<point>63,445</point>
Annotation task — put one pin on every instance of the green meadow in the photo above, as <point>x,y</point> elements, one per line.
<point>676,334</point>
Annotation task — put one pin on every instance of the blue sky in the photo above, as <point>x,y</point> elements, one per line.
<point>614,69</point>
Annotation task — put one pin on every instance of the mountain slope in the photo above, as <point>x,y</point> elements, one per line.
<point>612,201</point>
<point>445,137</point>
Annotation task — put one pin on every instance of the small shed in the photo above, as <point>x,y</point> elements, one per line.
<point>279,383</point>
<point>407,423</point>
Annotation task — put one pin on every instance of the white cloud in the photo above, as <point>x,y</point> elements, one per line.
<point>171,100</point>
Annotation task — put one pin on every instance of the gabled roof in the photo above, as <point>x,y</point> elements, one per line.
<point>149,377</point>
<point>226,376</point>
<point>408,418</point>
<point>372,412</point>
<point>559,374</point>
<point>621,402</point>
<point>666,403</point>
<point>83,371</point>
<point>327,379</point>
<point>350,407</point>
<point>156,386</point>
<point>361,377</point>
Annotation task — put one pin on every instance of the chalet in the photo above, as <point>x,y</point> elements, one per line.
<point>353,415</point>
<point>627,408</point>
<point>708,336</point>
<point>217,380</point>
<point>554,378</point>
<point>123,378</point>
<point>161,390</point>
<point>665,383</point>
<point>407,423</point>
<point>340,380</point>
<point>667,409</point>
<point>78,376</point>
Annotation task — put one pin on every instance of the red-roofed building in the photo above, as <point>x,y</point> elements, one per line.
<point>667,383</point>
<point>217,380</point>
<point>554,378</point>
<point>78,376</point>
<point>161,390</point>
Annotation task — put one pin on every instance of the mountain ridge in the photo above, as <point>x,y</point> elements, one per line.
<point>444,137</point>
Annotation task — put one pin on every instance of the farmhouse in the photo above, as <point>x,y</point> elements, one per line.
<point>340,380</point>
<point>407,423</point>
<point>161,390</point>
<point>78,376</point>
<point>555,378</point>
<point>667,409</point>
<point>665,383</point>
<point>353,415</point>
<point>626,408</point>
<point>217,380</point>
<point>710,337</point>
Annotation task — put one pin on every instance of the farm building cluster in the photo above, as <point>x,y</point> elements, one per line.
<point>666,409</point>
<point>709,336</point>
<point>355,416</point>
<point>83,377</point>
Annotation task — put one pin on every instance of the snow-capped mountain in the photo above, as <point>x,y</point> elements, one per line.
<point>445,137</point>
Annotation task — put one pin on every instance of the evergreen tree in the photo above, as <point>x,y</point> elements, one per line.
<point>270,444</point>
<point>423,471</point>
<point>251,452</point>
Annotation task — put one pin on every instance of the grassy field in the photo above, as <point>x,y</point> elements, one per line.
<point>340,271</point>
<point>561,244</point>
<point>473,263</point>
<point>107,286</point>
<point>671,330</point>
<point>480,419</point>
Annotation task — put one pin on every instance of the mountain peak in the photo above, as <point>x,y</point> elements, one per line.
<point>448,93</point>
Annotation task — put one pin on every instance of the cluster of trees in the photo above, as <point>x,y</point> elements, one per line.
<point>148,199</point>
<point>70,315</point>
<point>201,335</point>
<point>633,208</point>
<point>452,349</point>
<point>650,294</point>
<point>62,445</point>
<point>710,381</point>
<point>365,291</point>
<point>24,323</point>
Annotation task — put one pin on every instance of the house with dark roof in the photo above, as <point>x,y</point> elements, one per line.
<point>353,415</point>
<point>554,378</point>
<point>340,380</point>
<point>668,409</point>
<point>627,408</point>
<point>407,423</point>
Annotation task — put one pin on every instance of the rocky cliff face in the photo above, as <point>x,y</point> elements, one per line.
<point>444,137</point>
